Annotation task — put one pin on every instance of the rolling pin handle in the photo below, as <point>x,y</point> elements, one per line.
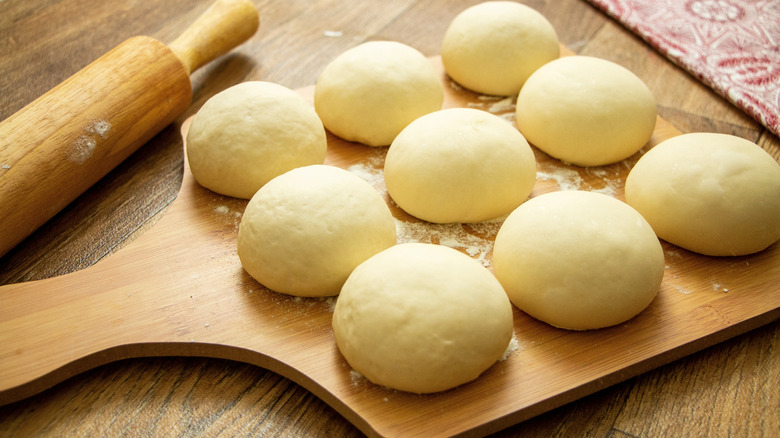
<point>225,25</point>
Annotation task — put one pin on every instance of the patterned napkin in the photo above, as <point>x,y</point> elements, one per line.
<point>733,46</point>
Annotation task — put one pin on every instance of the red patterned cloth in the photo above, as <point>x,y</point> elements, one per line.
<point>733,46</point>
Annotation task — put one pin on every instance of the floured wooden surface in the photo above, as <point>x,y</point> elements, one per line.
<point>179,289</point>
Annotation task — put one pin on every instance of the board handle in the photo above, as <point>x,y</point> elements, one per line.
<point>225,25</point>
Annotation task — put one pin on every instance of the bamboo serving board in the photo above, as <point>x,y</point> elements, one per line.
<point>180,290</point>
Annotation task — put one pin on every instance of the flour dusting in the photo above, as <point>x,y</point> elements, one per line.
<point>356,377</point>
<point>567,179</point>
<point>81,150</point>
<point>718,287</point>
<point>83,147</point>
<point>232,217</point>
<point>330,303</point>
<point>476,240</point>
<point>513,346</point>
<point>370,175</point>
<point>100,127</point>
<point>681,289</point>
<point>503,105</point>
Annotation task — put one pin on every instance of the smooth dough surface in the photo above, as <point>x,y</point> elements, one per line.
<point>370,92</point>
<point>307,229</point>
<point>714,194</point>
<point>493,47</point>
<point>249,133</point>
<point>422,318</point>
<point>459,165</point>
<point>586,111</point>
<point>578,260</point>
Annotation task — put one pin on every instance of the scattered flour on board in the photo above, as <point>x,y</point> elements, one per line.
<point>454,85</point>
<point>356,377</point>
<point>503,107</point>
<point>608,182</point>
<point>328,302</point>
<point>718,287</point>
<point>371,171</point>
<point>303,305</point>
<point>225,210</point>
<point>567,179</point>
<point>610,176</point>
<point>476,240</point>
<point>606,190</point>
<point>672,253</point>
<point>681,289</point>
<point>234,217</point>
<point>513,346</point>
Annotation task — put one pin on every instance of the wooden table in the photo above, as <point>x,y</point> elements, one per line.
<point>731,389</point>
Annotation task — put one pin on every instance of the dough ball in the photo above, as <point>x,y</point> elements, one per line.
<point>306,230</point>
<point>369,93</point>
<point>578,260</point>
<point>493,47</point>
<point>459,165</point>
<point>422,318</point>
<point>249,133</point>
<point>586,111</point>
<point>714,194</point>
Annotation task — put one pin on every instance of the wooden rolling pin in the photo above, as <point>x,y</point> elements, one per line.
<point>59,145</point>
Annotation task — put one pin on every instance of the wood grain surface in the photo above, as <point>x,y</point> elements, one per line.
<point>729,389</point>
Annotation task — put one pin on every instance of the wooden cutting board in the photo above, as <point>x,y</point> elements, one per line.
<point>180,290</point>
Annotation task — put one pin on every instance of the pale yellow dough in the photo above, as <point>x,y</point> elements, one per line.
<point>714,194</point>
<point>249,133</point>
<point>459,165</point>
<point>422,318</point>
<point>493,47</point>
<point>307,229</point>
<point>586,111</point>
<point>369,93</point>
<point>578,260</point>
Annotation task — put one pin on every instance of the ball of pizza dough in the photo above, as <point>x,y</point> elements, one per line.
<point>249,133</point>
<point>307,229</point>
<point>714,194</point>
<point>459,165</point>
<point>493,47</point>
<point>422,318</point>
<point>578,260</point>
<point>586,111</point>
<point>369,93</point>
